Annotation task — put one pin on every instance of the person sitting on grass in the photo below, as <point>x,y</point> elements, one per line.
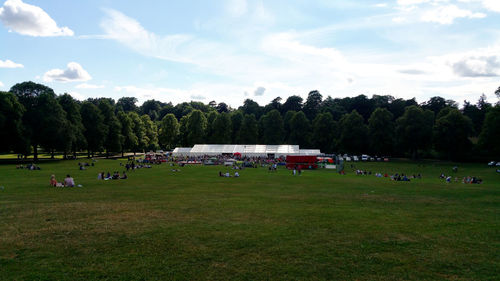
<point>124,176</point>
<point>53,181</point>
<point>236,174</point>
<point>69,181</point>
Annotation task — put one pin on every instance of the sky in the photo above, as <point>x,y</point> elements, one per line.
<point>231,50</point>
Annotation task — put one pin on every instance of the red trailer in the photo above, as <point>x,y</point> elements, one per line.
<point>301,162</point>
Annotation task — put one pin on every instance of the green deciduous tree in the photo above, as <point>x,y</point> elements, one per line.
<point>151,132</point>
<point>251,107</point>
<point>414,130</point>
<point>381,131</point>
<point>114,138</point>
<point>11,124</point>
<point>325,132</point>
<point>353,133</point>
<point>273,131</point>
<point>129,139</point>
<point>210,132</point>
<point>286,124</point>
<point>236,122</point>
<point>127,104</point>
<point>139,132</point>
<point>169,131</point>
<point>222,130</point>
<point>75,136</point>
<point>94,129</point>
<point>183,130</point>
<point>300,130</point>
<point>196,125</point>
<point>489,138</point>
<point>53,130</point>
<point>151,108</point>
<point>28,94</point>
<point>249,132</point>
<point>293,103</point>
<point>451,134</point>
<point>312,104</point>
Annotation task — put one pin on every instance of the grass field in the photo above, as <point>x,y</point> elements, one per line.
<point>194,225</point>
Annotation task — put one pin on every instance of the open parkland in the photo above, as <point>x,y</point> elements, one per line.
<point>188,223</point>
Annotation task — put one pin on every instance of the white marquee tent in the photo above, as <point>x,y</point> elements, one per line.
<point>251,150</point>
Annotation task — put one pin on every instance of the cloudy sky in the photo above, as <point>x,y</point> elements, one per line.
<point>230,50</point>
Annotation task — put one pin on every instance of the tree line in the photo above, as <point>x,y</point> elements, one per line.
<point>32,116</point>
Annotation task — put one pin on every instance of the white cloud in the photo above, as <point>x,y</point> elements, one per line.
<point>1,84</point>
<point>380,5</point>
<point>493,5</point>
<point>285,64</point>
<point>411,2</point>
<point>77,96</point>
<point>30,20</point>
<point>236,8</point>
<point>447,14</point>
<point>89,86</point>
<point>74,72</point>
<point>10,64</point>
<point>481,66</point>
<point>130,32</point>
<point>483,62</point>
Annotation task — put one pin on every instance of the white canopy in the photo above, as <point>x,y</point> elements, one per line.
<point>251,150</point>
<point>181,151</point>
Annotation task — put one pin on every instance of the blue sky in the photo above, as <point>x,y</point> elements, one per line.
<point>230,50</point>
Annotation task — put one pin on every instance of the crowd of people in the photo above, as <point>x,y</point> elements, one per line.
<point>394,177</point>
<point>466,180</point>
<point>246,161</point>
<point>228,175</point>
<point>84,165</point>
<point>31,166</point>
<point>115,176</point>
<point>137,164</point>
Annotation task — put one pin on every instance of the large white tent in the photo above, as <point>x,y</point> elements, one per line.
<point>251,150</point>
<point>181,151</point>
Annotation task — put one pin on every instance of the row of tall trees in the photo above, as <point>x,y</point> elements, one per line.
<point>32,116</point>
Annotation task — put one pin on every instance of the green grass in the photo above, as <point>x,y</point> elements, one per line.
<point>194,225</point>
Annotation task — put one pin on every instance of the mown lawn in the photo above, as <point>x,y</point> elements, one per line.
<point>194,225</point>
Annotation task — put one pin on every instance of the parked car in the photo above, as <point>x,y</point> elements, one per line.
<point>355,158</point>
<point>365,157</point>
<point>348,159</point>
<point>492,163</point>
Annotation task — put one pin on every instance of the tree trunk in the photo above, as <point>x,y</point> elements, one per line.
<point>88,153</point>
<point>65,155</point>
<point>123,153</point>
<point>52,153</point>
